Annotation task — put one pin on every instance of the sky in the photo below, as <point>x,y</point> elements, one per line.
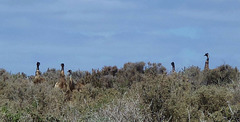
<point>86,34</point>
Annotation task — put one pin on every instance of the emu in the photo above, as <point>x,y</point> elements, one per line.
<point>38,78</point>
<point>62,75</point>
<point>206,67</point>
<point>71,84</point>
<point>62,82</point>
<point>173,66</point>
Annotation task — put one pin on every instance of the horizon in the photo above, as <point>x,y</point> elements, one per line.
<point>168,69</point>
<point>91,34</point>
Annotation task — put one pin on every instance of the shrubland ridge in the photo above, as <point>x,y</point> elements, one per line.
<point>136,92</point>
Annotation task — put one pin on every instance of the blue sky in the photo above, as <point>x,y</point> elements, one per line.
<point>86,34</point>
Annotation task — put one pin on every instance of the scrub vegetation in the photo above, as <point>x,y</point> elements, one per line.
<point>135,92</point>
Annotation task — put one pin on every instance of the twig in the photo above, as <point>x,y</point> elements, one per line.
<point>230,107</point>
<point>189,115</point>
<point>170,118</point>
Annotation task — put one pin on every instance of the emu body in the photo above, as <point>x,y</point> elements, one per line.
<point>62,82</point>
<point>38,78</point>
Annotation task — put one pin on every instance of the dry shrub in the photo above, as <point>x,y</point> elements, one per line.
<point>91,99</point>
<point>172,98</point>
<point>120,110</point>
<point>51,76</point>
<point>130,73</point>
<point>131,93</point>
<point>194,74</point>
<point>236,96</point>
<point>78,75</point>
<point>24,101</point>
<point>222,75</point>
<point>212,102</point>
<point>108,81</point>
<point>134,67</point>
<point>4,75</point>
<point>101,79</point>
<point>155,68</point>
<point>167,96</point>
<point>109,77</point>
<point>235,109</point>
<point>109,70</point>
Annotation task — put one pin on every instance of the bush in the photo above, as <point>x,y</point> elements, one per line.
<point>194,74</point>
<point>167,96</point>
<point>24,101</point>
<point>212,101</point>
<point>130,73</point>
<point>155,68</point>
<point>133,93</point>
<point>123,109</point>
<point>222,75</point>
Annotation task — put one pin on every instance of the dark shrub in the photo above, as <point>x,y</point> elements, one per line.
<point>52,76</point>
<point>224,74</point>
<point>132,67</point>
<point>212,101</point>
<point>129,73</point>
<point>155,68</point>
<point>167,96</point>
<point>193,74</point>
<point>109,70</point>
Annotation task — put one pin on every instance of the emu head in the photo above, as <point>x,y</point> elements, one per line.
<point>62,65</point>
<point>38,64</point>
<point>173,65</point>
<point>70,72</point>
<point>207,55</point>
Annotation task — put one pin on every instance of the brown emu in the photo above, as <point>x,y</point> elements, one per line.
<point>37,71</point>
<point>62,75</point>
<point>62,82</point>
<point>206,67</point>
<point>173,66</point>
<point>38,78</point>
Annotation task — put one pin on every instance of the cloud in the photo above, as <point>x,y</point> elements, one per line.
<point>93,33</point>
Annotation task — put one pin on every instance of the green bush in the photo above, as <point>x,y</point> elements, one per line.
<point>193,74</point>
<point>155,68</point>
<point>212,101</point>
<point>163,93</point>
<point>222,75</point>
<point>133,93</point>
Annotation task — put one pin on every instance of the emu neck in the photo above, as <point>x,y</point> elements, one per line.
<point>173,68</point>
<point>62,72</point>
<point>206,67</point>
<point>70,76</point>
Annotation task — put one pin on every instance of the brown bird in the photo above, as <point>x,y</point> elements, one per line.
<point>206,67</point>
<point>62,82</point>
<point>71,84</point>
<point>38,78</point>
<point>173,66</point>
